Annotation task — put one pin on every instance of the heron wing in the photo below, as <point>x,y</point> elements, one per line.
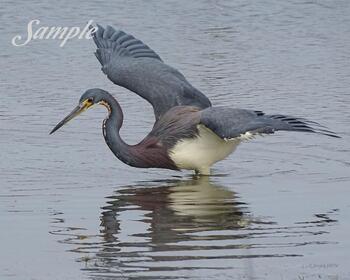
<point>230,123</point>
<point>130,63</point>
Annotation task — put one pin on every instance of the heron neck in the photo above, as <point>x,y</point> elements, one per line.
<point>145,154</point>
<point>111,128</point>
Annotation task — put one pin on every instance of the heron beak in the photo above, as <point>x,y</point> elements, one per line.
<point>77,111</point>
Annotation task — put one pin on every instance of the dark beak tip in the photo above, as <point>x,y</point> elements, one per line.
<point>77,110</point>
<point>56,128</point>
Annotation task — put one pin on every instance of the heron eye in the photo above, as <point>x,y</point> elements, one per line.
<point>90,100</point>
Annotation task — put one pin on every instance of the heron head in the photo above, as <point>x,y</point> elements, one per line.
<point>87,100</point>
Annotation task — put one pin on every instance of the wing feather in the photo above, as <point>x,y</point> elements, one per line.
<point>130,63</point>
<point>230,123</point>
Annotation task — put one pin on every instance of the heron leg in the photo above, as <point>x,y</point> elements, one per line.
<point>205,170</point>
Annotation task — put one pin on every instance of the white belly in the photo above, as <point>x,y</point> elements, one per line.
<point>202,152</point>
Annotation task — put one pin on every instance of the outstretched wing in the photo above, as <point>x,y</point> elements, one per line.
<point>230,123</point>
<point>130,63</point>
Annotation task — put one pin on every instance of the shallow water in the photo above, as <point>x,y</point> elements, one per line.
<point>276,209</point>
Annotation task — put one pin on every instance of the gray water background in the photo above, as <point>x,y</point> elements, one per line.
<point>278,208</point>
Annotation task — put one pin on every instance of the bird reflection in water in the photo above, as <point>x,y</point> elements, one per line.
<point>179,229</point>
<point>176,208</point>
<point>161,229</point>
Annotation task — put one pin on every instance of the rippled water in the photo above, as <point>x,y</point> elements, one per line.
<point>185,228</point>
<point>276,209</point>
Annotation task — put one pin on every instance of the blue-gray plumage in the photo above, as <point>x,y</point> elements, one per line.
<point>129,63</point>
<point>229,123</point>
<point>188,132</point>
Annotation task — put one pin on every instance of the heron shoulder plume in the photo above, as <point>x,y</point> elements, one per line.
<point>150,153</point>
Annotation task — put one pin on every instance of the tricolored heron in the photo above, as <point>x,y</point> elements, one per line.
<point>188,133</point>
